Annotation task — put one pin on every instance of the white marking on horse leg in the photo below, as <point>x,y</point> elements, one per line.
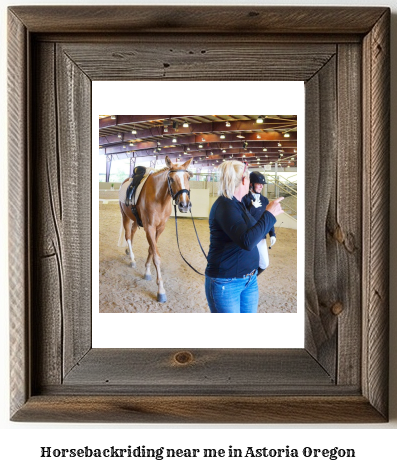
<point>133,264</point>
<point>161,296</point>
<point>148,275</point>
<point>159,280</point>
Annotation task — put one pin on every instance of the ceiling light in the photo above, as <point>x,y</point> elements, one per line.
<point>279,144</point>
<point>223,136</point>
<point>165,129</point>
<point>113,117</point>
<point>240,136</point>
<point>119,136</point>
<point>174,139</point>
<point>131,144</point>
<point>227,124</point>
<point>203,139</point>
<point>133,131</point>
<point>230,146</point>
<point>223,150</point>
<point>264,149</point>
<point>286,134</point>
<point>292,158</point>
<point>201,146</point>
<point>259,120</point>
<point>258,136</point>
<point>188,148</point>
<point>281,155</point>
<point>185,124</point>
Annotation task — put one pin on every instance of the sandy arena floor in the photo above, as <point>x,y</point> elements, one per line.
<point>123,289</point>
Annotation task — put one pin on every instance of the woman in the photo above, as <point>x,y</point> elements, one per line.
<point>256,204</point>
<point>233,258</point>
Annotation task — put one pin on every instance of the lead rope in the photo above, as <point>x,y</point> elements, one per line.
<point>177,239</point>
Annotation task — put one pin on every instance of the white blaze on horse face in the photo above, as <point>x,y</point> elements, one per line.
<point>181,176</point>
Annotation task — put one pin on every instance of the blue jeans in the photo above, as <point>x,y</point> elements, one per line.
<point>232,294</point>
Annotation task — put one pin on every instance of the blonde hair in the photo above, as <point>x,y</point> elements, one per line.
<point>230,177</point>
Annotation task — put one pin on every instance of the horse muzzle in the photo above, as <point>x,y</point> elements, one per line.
<point>184,207</point>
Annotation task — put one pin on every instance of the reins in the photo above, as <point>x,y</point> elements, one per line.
<point>174,196</point>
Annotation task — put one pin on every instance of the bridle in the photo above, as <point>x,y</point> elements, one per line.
<point>174,197</point>
<point>180,192</point>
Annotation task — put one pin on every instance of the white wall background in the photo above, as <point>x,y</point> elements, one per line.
<point>374,444</point>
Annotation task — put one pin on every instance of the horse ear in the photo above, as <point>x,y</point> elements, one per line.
<point>187,163</point>
<point>168,161</point>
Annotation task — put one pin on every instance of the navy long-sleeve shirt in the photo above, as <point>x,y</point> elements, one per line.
<point>257,212</point>
<point>234,235</point>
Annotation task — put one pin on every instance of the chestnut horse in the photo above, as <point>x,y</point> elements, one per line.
<point>154,209</point>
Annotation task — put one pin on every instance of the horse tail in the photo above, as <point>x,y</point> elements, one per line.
<point>121,242</point>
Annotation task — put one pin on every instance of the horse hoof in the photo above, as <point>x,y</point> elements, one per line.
<point>161,298</point>
<point>148,277</point>
<point>133,265</point>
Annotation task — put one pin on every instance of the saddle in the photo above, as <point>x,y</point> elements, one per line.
<point>137,176</point>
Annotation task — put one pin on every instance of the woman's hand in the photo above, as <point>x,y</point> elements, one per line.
<point>274,207</point>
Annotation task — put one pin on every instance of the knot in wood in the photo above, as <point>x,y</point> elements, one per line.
<point>183,358</point>
<point>337,308</point>
<point>339,235</point>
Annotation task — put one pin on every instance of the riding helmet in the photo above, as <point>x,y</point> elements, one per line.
<point>257,177</point>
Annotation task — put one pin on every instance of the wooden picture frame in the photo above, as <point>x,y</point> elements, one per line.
<point>342,54</point>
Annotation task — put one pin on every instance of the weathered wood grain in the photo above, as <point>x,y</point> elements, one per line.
<point>321,276</point>
<point>73,90</point>
<point>18,210</point>
<point>48,282</point>
<point>199,409</point>
<point>244,369</point>
<point>62,223</point>
<point>348,218</point>
<point>376,188</point>
<point>199,19</point>
<point>173,58</point>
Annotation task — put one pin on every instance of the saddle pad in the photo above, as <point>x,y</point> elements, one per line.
<point>125,185</point>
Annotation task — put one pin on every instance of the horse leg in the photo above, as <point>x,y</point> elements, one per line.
<point>151,235</point>
<point>148,275</point>
<point>129,234</point>
<point>130,242</point>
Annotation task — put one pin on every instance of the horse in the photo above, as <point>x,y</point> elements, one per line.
<point>154,208</point>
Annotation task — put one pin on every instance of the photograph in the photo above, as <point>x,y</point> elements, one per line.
<point>198,213</point>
